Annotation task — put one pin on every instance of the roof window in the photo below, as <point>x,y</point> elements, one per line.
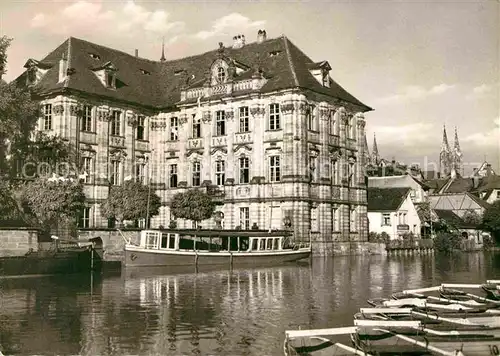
<point>95,56</point>
<point>145,72</point>
<point>274,53</point>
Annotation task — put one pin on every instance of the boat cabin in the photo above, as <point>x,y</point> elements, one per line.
<point>212,241</point>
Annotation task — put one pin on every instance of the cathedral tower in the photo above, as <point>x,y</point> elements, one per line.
<point>457,156</point>
<point>445,163</point>
<point>375,155</point>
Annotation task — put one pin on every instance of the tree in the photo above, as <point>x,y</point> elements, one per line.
<point>130,202</point>
<point>193,204</point>
<point>4,44</point>
<point>471,217</point>
<point>42,154</point>
<point>491,220</point>
<point>51,202</point>
<point>18,112</point>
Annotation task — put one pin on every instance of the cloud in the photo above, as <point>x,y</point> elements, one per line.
<point>489,138</point>
<point>409,135</point>
<point>482,91</point>
<point>232,22</point>
<point>414,93</point>
<point>88,18</point>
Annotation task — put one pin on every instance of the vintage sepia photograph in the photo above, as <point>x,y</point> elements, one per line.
<point>209,177</point>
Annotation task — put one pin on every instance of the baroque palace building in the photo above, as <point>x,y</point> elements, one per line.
<point>260,125</point>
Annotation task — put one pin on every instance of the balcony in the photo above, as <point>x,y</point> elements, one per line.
<point>219,141</point>
<point>88,137</point>
<point>141,146</point>
<point>117,141</point>
<point>194,143</point>
<point>223,89</point>
<point>243,137</point>
<point>351,144</point>
<point>334,141</point>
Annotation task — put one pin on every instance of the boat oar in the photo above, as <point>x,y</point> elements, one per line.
<point>321,332</point>
<point>424,345</point>
<point>449,320</point>
<point>451,301</point>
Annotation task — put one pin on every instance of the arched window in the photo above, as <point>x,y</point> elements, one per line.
<point>221,75</point>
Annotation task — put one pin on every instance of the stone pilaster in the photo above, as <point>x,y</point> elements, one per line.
<point>288,114</point>
<point>258,118</point>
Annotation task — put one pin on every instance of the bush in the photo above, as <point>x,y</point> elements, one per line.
<point>447,242</point>
<point>488,242</point>
<point>378,238</point>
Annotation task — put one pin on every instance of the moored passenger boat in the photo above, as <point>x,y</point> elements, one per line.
<point>214,247</point>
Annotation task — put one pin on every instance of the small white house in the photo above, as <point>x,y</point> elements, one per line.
<point>418,191</point>
<point>391,210</point>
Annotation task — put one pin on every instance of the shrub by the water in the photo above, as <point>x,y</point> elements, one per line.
<point>447,242</point>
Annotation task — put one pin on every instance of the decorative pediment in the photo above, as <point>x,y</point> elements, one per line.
<point>241,149</point>
<point>219,150</point>
<point>194,154</point>
<point>118,155</point>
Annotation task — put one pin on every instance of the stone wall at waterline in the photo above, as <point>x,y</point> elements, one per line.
<point>17,241</point>
<point>113,240</point>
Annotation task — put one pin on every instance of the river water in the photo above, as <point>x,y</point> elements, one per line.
<point>218,312</point>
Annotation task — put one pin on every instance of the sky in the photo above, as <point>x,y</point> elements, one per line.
<point>419,64</point>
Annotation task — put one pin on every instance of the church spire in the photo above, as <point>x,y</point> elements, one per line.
<point>445,163</point>
<point>457,155</point>
<point>375,156</point>
<point>163,59</point>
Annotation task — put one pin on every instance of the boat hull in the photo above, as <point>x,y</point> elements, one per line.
<point>470,345</point>
<point>47,263</point>
<point>138,257</point>
<point>317,346</point>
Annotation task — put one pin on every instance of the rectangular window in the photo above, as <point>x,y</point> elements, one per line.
<point>196,127</point>
<point>333,171</point>
<point>220,123</point>
<point>141,128</point>
<point>115,178</point>
<point>311,122</point>
<point>245,218</point>
<point>87,169</point>
<point>333,130</point>
<point>84,220</point>
<point>172,174</point>
<point>174,129</point>
<point>274,117</point>
<point>386,219</point>
<point>196,174</point>
<point>244,119</point>
<point>139,173</point>
<point>312,168</point>
<point>498,194</point>
<point>87,119</point>
<point>352,224</point>
<point>110,80</point>
<point>335,219</point>
<point>47,117</point>
<point>314,219</point>
<point>244,170</point>
<point>274,169</point>
<point>220,172</point>
<point>115,123</point>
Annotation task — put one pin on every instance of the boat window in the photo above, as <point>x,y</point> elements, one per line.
<point>262,244</point>
<point>171,243</point>
<point>164,240</point>
<point>270,244</point>
<point>255,244</point>
<point>151,240</point>
<point>243,243</point>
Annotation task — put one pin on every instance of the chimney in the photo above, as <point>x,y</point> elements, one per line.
<point>261,36</point>
<point>136,52</point>
<point>238,41</point>
<point>63,67</point>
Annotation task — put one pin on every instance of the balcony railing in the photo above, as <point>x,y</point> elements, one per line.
<point>221,89</point>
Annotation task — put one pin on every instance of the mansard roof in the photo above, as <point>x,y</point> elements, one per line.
<point>386,199</point>
<point>158,85</point>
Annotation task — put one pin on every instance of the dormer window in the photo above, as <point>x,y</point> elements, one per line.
<point>31,76</point>
<point>110,80</point>
<point>321,71</point>
<point>274,53</point>
<point>35,70</point>
<point>145,72</point>
<point>107,74</point>
<point>94,56</point>
<point>221,75</point>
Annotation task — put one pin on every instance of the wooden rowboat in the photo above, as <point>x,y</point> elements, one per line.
<point>311,343</point>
